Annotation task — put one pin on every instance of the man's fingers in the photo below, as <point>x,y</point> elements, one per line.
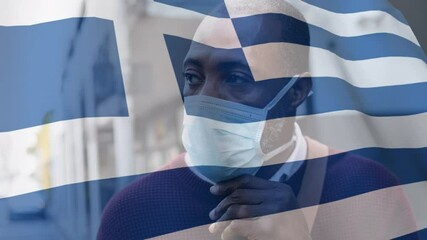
<point>245,181</point>
<point>276,226</point>
<point>237,230</point>
<point>218,227</point>
<point>238,197</point>
<point>242,211</point>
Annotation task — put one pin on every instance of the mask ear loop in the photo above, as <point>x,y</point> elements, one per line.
<point>276,99</point>
<point>282,93</point>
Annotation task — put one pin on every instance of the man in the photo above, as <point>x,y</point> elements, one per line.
<point>240,177</point>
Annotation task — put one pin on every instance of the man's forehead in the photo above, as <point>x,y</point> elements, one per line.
<point>201,54</point>
<point>218,33</point>
<point>271,43</point>
<point>221,32</point>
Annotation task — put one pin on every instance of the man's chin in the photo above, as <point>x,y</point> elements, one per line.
<point>276,133</point>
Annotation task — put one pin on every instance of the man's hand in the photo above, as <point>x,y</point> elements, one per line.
<point>242,214</point>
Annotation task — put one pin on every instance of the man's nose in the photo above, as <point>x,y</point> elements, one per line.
<point>212,88</point>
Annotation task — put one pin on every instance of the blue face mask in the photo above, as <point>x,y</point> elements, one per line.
<point>223,138</point>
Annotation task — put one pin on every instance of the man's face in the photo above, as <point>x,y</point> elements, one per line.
<point>224,73</point>
<point>217,66</point>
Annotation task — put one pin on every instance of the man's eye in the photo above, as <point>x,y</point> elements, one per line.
<point>237,79</point>
<point>192,79</point>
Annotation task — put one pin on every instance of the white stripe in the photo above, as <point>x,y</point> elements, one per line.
<point>382,214</point>
<point>351,130</point>
<point>355,24</point>
<point>344,131</point>
<point>218,33</point>
<point>269,61</point>
<point>29,12</point>
<point>67,164</point>
<point>350,25</point>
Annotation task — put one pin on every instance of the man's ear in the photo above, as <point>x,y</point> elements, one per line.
<point>301,90</point>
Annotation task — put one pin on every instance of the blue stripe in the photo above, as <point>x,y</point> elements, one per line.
<point>418,235</point>
<point>333,94</point>
<point>207,7</point>
<point>251,31</point>
<point>47,74</point>
<point>330,94</point>
<point>407,164</point>
<point>354,6</point>
<point>215,8</point>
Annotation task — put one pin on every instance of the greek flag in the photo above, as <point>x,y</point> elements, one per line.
<point>91,95</point>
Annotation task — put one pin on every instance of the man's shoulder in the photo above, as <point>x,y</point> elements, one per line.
<point>355,166</point>
<point>177,162</point>
<point>150,182</point>
<point>148,185</point>
<point>350,174</point>
<point>349,164</point>
<point>127,212</point>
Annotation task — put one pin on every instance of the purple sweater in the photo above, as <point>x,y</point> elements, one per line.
<point>176,199</point>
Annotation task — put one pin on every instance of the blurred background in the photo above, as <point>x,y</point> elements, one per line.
<point>81,150</point>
